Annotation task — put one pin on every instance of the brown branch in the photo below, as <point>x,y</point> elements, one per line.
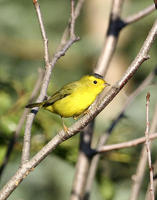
<point>138,177</point>
<point>80,124</point>
<point>148,147</point>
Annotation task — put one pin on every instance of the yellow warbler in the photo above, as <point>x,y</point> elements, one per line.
<point>74,98</point>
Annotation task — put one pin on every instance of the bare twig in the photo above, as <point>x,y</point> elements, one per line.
<point>123,145</point>
<point>143,13</point>
<point>73,17</point>
<point>43,32</point>
<point>20,124</point>
<point>148,196</point>
<point>138,177</point>
<point>148,147</point>
<point>72,24</point>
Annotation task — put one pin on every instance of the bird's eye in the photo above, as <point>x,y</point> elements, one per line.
<point>95,82</point>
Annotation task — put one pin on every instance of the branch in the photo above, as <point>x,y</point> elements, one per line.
<point>123,145</point>
<point>83,163</point>
<point>148,197</point>
<point>136,17</point>
<point>43,32</point>
<point>115,26</point>
<point>138,177</point>
<point>148,147</point>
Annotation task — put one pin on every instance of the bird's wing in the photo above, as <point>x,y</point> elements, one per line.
<point>62,93</point>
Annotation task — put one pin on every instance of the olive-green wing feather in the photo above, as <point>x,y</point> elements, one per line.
<point>60,94</point>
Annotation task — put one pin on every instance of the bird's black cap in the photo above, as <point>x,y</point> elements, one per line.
<point>97,76</point>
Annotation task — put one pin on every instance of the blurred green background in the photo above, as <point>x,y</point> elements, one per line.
<point>21,55</point>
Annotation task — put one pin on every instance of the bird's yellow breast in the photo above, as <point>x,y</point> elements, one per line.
<point>74,104</point>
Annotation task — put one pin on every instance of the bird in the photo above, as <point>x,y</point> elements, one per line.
<point>73,99</point>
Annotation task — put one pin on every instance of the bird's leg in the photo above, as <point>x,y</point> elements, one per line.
<point>81,115</point>
<point>64,126</point>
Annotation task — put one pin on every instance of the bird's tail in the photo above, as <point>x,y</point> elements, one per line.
<point>34,105</point>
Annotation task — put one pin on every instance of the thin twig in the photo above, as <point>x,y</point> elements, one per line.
<point>138,177</point>
<point>43,32</point>
<point>66,32</point>
<point>136,17</point>
<point>123,145</point>
<point>72,24</point>
<point>148,147</point>
<point>148,197</point>
<point>20,124</point>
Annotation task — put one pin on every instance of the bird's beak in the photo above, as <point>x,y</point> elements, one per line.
<point>107,84</point>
